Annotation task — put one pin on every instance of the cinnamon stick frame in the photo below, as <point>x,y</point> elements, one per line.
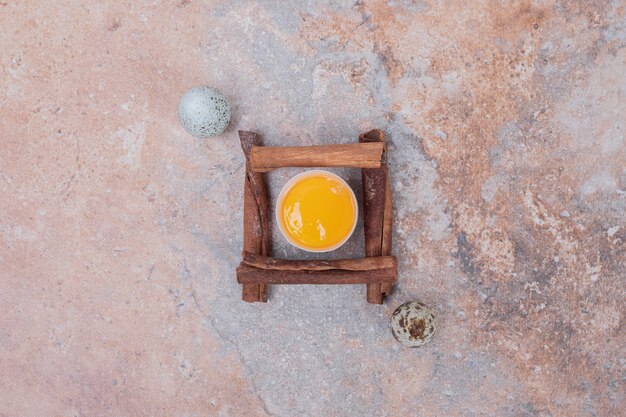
<point>378,270</point>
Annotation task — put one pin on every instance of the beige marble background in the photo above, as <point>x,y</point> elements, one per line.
<point>119,232</point>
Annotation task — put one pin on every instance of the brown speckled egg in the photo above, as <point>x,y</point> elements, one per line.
<point>413,324</point>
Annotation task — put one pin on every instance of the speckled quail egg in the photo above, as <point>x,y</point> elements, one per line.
<point>204,112</point>
<point>413,324</point>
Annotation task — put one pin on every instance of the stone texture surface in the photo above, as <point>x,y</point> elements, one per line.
<point>119,232</point>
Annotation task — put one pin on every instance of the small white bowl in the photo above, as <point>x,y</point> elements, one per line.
<point>287,187</point>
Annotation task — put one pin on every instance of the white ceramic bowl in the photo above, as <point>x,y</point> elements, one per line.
<point>287,187</point>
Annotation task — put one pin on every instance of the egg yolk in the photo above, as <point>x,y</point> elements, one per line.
<point>318,212</point>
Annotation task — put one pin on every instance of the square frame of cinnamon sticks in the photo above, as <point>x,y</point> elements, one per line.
<point>377,270</point>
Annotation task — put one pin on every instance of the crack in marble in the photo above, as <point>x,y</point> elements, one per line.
<point>247,369</point>
<point>345,44</point>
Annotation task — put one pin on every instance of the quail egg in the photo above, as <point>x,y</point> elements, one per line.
<point>413,324</point>
<point>204,112</point>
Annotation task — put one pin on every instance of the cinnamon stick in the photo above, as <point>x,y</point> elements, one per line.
<point>377,211</point>
<point>247,274</point>
<point>256,234</point>
<point>355,155</point>
<point>387,287</point>
<point>363,264</point>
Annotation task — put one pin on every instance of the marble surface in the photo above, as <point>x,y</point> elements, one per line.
<point>119,232</point>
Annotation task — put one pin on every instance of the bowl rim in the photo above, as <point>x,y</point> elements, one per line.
<point>287,187</point>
